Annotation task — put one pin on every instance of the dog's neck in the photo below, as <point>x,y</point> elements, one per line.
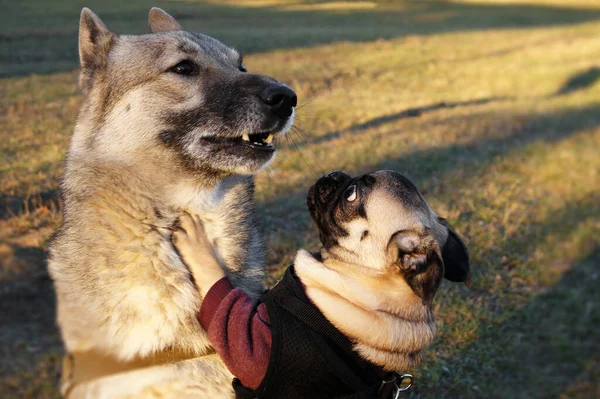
<point>167,189</point>
<point>376,310</point>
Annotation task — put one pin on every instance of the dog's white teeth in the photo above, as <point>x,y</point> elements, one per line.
<point>245,137</point>
<point>269,139</point>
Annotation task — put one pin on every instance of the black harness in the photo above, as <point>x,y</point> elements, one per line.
<point>310,358</point>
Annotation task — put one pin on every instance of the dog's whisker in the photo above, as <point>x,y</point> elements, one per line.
<point>298,135</point>
<point>299,129</point>
<point>304,140</point>
<point>295,147</point>
<point>317,95</point>
<point>299,132</point>
<point>306,112</point>
<point>270,173</point>
<point>298,119</point>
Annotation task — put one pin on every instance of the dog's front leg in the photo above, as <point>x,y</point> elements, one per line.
<point>237,236</point>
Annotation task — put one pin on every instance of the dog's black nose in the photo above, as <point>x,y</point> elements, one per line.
<point>280,98</point>
<point>335,175</point>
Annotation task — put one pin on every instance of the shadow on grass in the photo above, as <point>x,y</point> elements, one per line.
<point>11,205</point>
<point>551,339</point>
<point>474,156</point>
<point>28,307</point>
<point>429,166</point>
<point>36,37</point>
<point>555,335</point>
<point>382,120</point>
<point>545,344</point>
<point>21,260</point>
<point>580,81</point>
<point>28,334</point>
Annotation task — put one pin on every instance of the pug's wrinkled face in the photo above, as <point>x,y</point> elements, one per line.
<point>380,220</point>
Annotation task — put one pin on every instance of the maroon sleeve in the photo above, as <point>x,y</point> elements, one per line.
<point>239,330</point>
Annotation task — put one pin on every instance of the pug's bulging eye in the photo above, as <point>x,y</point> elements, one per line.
<point>350,193</point>
<point>185,67</point>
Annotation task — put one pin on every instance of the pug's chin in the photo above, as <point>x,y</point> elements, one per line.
<point>342,255</point>
<point>391,361</point>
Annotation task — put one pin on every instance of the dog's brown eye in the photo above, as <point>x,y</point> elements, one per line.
<point>184,68</point>
<point>350,193</point>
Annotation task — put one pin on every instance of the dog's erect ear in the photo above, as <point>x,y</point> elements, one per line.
<point>455,256</point>
<point>95,41</point>
<point>159,21</point>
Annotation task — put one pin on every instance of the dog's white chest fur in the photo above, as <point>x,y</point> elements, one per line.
<point>131,293</point>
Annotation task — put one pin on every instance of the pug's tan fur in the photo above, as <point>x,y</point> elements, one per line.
<point>376,310</point>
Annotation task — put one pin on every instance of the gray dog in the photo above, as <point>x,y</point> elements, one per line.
<point>171,122</point>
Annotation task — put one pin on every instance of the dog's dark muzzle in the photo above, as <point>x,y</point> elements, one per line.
<point>321,199</point>
<point>328,188</point>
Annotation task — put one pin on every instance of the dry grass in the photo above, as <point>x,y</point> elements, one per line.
<point>492,109</point>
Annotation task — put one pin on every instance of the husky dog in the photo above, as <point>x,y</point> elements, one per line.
<point>171,122</point>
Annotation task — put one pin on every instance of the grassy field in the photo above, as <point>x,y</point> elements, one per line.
<point>491,107</point>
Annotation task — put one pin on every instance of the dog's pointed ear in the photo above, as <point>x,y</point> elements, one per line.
<point>455,256</point>
<point>95,41</point>
<point>159,21</point>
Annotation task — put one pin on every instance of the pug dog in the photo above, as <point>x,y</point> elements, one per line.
<point>384,254</point>
<point>343,321</point>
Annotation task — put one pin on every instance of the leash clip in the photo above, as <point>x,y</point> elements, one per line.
<point>402,382</point>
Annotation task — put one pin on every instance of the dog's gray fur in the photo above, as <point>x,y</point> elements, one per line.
<point>149,144</point>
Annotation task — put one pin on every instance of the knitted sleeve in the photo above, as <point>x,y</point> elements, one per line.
<point>239,330</point>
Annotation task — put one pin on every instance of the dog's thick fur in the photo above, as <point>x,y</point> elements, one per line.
<point>384,254</point>
<point>153,141</point>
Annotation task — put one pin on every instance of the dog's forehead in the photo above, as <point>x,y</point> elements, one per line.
<point>207,45</point>
<point>172,46</point>
<point>390,212</point>
<point>394,204</point>
<point>400,187</point>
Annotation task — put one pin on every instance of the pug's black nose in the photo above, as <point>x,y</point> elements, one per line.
<point>280,98</point>
<point>335,175</point>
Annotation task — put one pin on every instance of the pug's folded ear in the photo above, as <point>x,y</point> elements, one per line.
<point>455,256</point>
<point>418,257</point>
